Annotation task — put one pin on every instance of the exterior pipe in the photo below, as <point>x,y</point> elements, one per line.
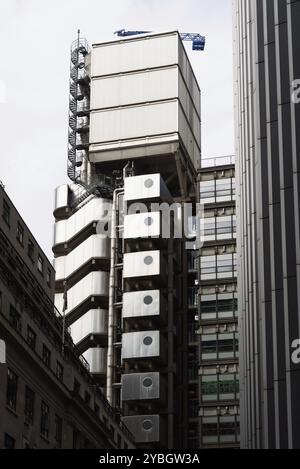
<point>111,318</point>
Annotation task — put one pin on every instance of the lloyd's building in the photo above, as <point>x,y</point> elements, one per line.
<point>134,137</point>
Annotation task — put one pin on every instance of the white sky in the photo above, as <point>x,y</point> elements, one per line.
<point>35,37</point>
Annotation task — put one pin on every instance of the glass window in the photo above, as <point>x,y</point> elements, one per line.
<point>192,260</point>
<point>227,429</point>
<point>223,190</point>
<point>46,356</point>
<point>30,249</point>
<point>223,429</point>
<point>45,420</point>
<point>207,191</point>
<point>6,212</point>
<point>218,306</point>
<point>48,279</point>
<point>193,297</point>
<point>75,439</point>
<point>209,388</point>
<point>76,386</point>
<point>192,332</point>
<point>9,441</point>
<point>219,346</point>
<point>87,397</point>
<point>31,338</point>
<point>193,408</point>
<point>29,405</point>
<point>210,430</point>
<point>209,347</point>
<point>15,319</point>
<point>59,371</point>
<point>40,264</point>
<point>58,431</point>
<point>11,389</point>
<point>20,233</point>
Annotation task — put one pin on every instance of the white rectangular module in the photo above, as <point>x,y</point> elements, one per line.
<point>145,99</point>
<point>148,187</point>
<point>142,225</point>
<point>141,304</point>
<point>144,344</point>
<point>134,88</point>
<point>142,264</point>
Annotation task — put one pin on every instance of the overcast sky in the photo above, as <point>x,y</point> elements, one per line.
<point>35,37</point>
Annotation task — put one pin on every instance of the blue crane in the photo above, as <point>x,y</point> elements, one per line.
<point>196,38</point>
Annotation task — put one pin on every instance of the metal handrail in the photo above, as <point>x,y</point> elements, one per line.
<point>218,161</point>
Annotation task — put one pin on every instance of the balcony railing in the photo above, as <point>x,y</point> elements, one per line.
<point>218,161</point>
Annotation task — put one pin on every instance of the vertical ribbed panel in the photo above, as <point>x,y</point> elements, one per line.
<point>267,39</point>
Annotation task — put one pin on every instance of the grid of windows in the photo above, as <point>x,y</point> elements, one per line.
<point>217,190</point>
<point>218,306</point>
<point>223,387</point>
<point>219,346</point>
<point>219,228</point>
<point>220,430</point>
<point>218,266</point>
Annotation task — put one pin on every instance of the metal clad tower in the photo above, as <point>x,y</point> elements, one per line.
<point>267,69</point>
<point>125,297</point>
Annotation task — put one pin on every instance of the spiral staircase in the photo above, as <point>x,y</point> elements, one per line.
<point>79,109</point>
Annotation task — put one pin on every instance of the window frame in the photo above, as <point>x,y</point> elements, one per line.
<point>12,396</point>
<point>20,233</point>
<point>45,420</point>
<point>29,405</point>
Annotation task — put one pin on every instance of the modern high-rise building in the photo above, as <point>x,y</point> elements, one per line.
<point>219,414</point>
<point>48,397</point>
<point>267,67</point>
<point>121,271</point>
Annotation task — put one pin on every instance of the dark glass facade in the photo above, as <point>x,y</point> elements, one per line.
<point>267,105</point>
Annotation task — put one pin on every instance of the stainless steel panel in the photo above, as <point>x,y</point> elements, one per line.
<point>61,197</point>
<point>146,187</point>
<point>96,357</point>
<point>141,386</point>
<point>96,210</point>
<point>94,247</point>
<point>144,428</point>
<point>93,284</point>
<point>142,264</point>
<point>122,90</point>
<point>139,87</point>
<point>134,123</point>
<point>135,53</point>
<point>142,225</point>
<point>145,344</point>
<point>141,304</point>
<point>92,322</point>
<point>191,141</point>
